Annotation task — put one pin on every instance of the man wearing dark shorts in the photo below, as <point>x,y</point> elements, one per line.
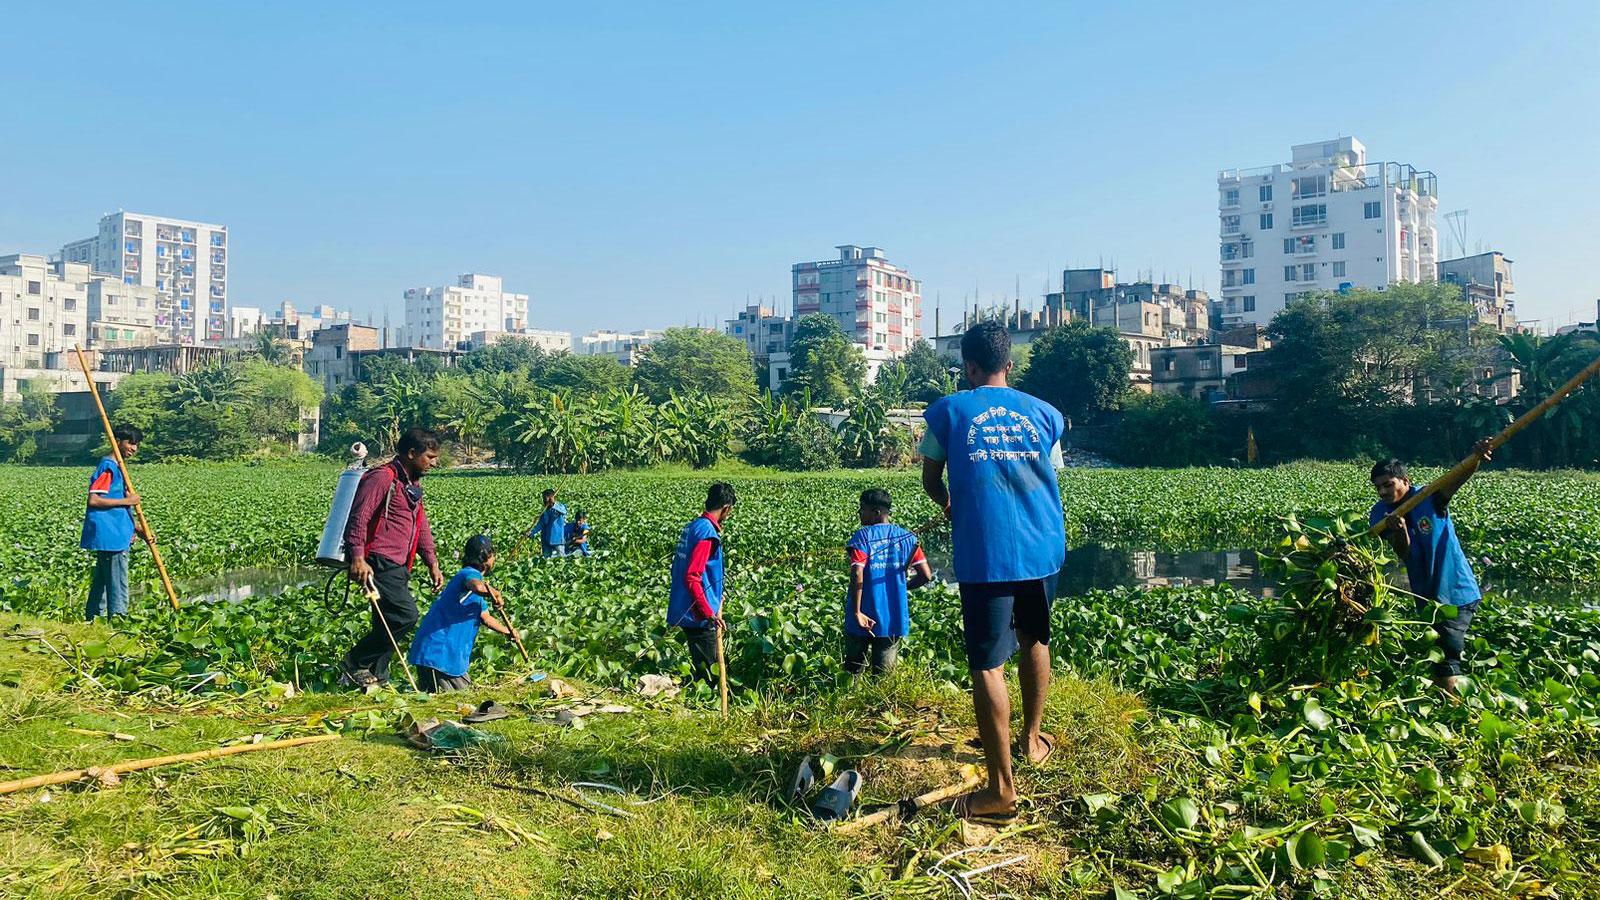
<point>387,530</point>
<point>1001,448</point>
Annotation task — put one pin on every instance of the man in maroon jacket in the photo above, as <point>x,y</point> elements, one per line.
<point>387,531</point>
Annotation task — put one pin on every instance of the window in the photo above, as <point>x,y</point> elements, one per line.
<point>1290,297</point>
<point>1205,363</point>
<point>1338,269</point>
<point>1266,193</point>
<point>71,303</point>
<point>1249,303</point>
<point>33,340</point>
<point>33,288</point>
<point>1338,240</point>
<point>1233,305</point>
<point>1266,221</point>
<point>1310,214</point>
<point>33,314</point>
<point>1248,250</point>
<point>69,329</point>
<point>1291,273</point>
<point>1310,186</point>
<point>1249,276</point>
<point>1373,209</point>
<point>1230,197</point>
<point>1308,272</point>
<point>1230,224</point>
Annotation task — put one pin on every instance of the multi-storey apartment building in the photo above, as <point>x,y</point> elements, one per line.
<point>1485,281</point>
<point>185,262</point>
<point>1328,220</point>
<point>625,347</point>
<point>763,331</point>
<point>443,318</point>
<point>121,314</point>
<point>1146,308</point>
<point>877,303</point>
<point>546,339</point>
<point>44,309</point>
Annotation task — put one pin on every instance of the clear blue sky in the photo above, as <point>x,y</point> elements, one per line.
<point>636,165</point>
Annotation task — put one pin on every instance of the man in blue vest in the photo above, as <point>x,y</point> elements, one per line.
<point>552,526</point>
<point>109,529</point>
<point>1001,450</point>
<point>877,612</point>
<point>1436,566</point>
<point>695,604</point>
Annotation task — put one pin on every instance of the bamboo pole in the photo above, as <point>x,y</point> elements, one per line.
<point>37,781</point>
<point>127,481</point>
<point>515,638</point>
<point>1463,468</point>
<point>371,592</point>
<point>937,795</point>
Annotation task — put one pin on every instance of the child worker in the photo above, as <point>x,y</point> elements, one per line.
<point>1436,566</point>
<point>442,649</point>
<point>109,529</point>
<point>578,535</point>
<point>876,612</point>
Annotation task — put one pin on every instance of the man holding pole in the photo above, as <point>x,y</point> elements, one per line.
<point>109,528</point>
<point>387,530</point>
<point>695,603</point>
<point>1001,450</point>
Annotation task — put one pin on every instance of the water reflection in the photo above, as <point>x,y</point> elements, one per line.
<point>241,584</point>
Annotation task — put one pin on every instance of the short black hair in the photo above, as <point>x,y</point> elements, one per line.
<point>416,439</point>
<point>478,550</point>
<point>126,432</point>
<point>878,499</point>
<point>548,493</point>
<point>582,514</point>
<point>986,345</point>
<point>1390,468</point>
<point>719,495</point>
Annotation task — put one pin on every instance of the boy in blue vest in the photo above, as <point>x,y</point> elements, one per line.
<point>695,604</point>
<point>578,535</point>
<point>551,528</point>
<point>442,649</point>
<point>877,615</point>
<point>1436,566</point>
<point>109,529</point>
<point>1001,449</point>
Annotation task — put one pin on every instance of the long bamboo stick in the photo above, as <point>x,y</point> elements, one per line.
<point>722,672</point>
<point>371,591</point>
<point>1465,466</point>
<point>937,795</point>
<point>127,480</point>
<point>37,781</point>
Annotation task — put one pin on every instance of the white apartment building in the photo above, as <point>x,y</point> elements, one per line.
<point>44,309</point>
<point>877,303</point>
<point>185,262</point>
<point>623,346</point>
<point>444,318</point>
<point>546,339</point>
<point>1327,220</point>
<point>120,314</point>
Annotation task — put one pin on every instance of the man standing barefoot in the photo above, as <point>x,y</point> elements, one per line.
<point>1001,448</point>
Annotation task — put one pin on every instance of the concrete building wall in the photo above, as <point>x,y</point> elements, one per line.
<point>876,302</point>
<point>185,262</point>
<point>446,317</point>
<point>44,309</point>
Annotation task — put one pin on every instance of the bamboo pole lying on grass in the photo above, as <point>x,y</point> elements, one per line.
<point>38,781</point>
<point>921,801</point>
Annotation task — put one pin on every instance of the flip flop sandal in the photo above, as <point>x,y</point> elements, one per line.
<point>804,779</point>
<point>963,810</point>
<point>1049,751</point>
<point>487,711</point>
<point>835,802</point>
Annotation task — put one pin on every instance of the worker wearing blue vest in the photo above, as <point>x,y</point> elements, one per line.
<point>1001,450</point>
<point>109,529</point>
<point>694,603</point>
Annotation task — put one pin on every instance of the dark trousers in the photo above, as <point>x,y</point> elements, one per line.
<point>374,651</point>
<point>702,653</point>
<point>877,653</point>
<point>433,681</point>
<point>1452,635</point>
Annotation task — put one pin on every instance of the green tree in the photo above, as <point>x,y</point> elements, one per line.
<point>1165,430</point>
<point>824,361</point>
<point>509,354</point>
<point>694,360</point>
<point>1082,371</point>
<point>582,374</point>
<point>925,374</point>
<point>24,421</point>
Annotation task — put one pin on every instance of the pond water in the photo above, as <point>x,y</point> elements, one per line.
<point>1093,567</point>
<point>241,584</point>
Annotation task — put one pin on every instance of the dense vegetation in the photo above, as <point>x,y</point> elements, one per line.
<point>1262,774</point>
